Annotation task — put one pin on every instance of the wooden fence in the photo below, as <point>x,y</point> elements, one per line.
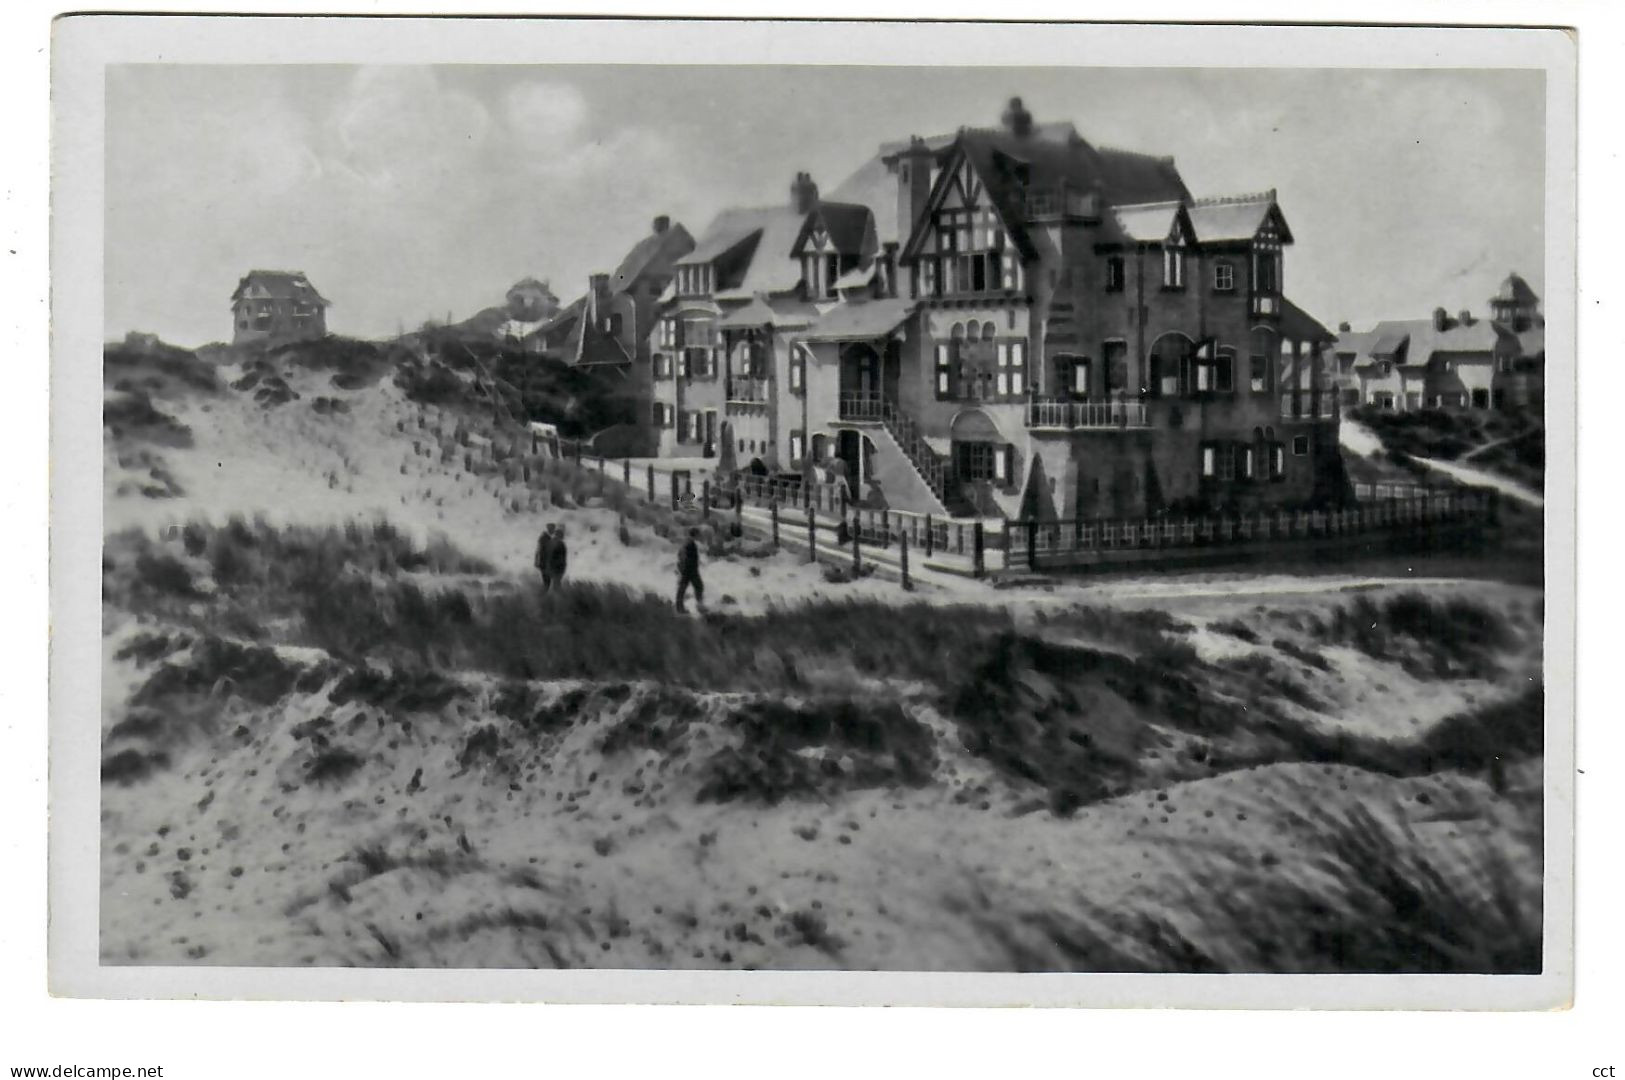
<point>822,517</point>
<point>1391,510</point>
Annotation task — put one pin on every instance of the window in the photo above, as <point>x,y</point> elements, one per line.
<point>1277,461</point>
<point>682,364</point>
<point>1481,399</point>
<point>1224,277</point>
<point>1224,371</point>
<point>1078,382</point>
<point>1246,468</point>
<point>1227,461</point>
<point>945,371</point>
<point>798,372</point>
<point>662,365</point>
<point>1012,368</point>
<point>1210,460</point>
<point>984,461</point>
<point>1263,346</point>
<point>797,442</point>
<point>1300,445</point>
<point>1114,273</point>
<point>1173,268</point>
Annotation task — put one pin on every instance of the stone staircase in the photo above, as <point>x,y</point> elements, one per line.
<point>934,468</point>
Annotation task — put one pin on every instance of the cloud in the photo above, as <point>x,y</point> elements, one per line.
<point>397,127</point>
<point>547,112</point>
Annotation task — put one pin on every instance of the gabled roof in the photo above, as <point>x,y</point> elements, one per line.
<point>278,285</point>
<point>1149,223</point>
<point>849,225</point>
<point>1236,217</point>
<point>655,255</point>
<point>1009,165</point>
<point>771,229</point>
<point>1413,342</point>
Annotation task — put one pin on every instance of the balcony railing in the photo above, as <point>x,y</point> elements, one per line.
<point>1069,415</point>
<point>747,390</point>
<point>1309,404</point>
<point>863,406</point>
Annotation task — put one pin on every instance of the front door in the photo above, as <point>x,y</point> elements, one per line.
<point>849,448</point>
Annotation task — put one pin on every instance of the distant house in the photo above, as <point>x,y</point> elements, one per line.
<point>531,301</point>
<point>1450,362</point>
<point>277,306</point>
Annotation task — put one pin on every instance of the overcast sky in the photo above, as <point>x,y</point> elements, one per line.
<point>408,193</point>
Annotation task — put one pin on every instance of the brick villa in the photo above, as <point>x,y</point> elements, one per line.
<point>1006,321</point>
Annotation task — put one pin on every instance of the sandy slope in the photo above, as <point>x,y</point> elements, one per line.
<point>552,852</point>
<point>549,851</point>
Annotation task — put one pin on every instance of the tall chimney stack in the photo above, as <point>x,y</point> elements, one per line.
<point>913,168</point>
<point>803,193</point>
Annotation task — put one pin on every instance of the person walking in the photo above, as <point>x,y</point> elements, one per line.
<point>558,556</point>
<point>688,572</point>
<point>544,556</point>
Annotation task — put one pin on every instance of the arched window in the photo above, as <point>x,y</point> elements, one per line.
<point>987,331</point>
<point>973,330</point>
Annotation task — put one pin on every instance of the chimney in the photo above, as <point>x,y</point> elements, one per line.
<point>1342,328</point>
<point>1465,317</point>
<point>599,285</point>
<point>1441,319</point>
<point>1017,120</point>
<point>662,223</point>
<point>803,193</point>
<point>913,168</point>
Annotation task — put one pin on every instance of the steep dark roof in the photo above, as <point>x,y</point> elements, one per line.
<point>772,230</point>
<point>654,255</point>
<point>1516,289</point>
<point>278,285</point>
<point>1009,165</point>
<point>849,226</point>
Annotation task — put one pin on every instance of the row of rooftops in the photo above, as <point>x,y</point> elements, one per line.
<point>1517,328</point>
<point>1142,195</point>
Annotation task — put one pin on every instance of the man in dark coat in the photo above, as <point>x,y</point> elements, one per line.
<point>558,556</point>
<point>688,571</point>
<point>544,556</point>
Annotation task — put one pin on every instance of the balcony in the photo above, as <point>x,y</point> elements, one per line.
<point>1083,415</point>
<point>1309,404</point>
<point>1266,306</point>
<point>747,391</point>
<point>867,408</point>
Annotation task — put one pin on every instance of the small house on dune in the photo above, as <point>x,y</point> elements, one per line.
<point>277,306</point>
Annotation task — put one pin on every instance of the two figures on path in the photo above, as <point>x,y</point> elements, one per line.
<point>552,558</point>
